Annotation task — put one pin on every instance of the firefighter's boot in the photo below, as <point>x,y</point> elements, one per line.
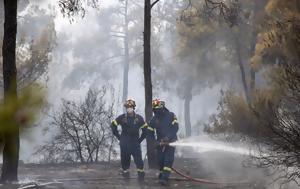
<point>125,174</point>
<point>141,177</point>
<point>163,182</point>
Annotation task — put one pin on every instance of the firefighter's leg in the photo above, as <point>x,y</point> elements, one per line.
<point>138,160</point>
<point>168,162</point>
<point>125,159</point>
<point>160,159</point>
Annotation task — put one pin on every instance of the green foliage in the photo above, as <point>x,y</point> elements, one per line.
<point>237,117</point>
<point>279,8</point>
<point>194,32</point>
<point>21,112</point>
<point>280,39</point>
<point>272,122</point>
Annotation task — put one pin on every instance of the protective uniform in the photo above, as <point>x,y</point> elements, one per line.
<point>130,140</point>
<point>165,124</point>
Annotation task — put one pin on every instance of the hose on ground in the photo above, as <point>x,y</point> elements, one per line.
<point>204,181</point>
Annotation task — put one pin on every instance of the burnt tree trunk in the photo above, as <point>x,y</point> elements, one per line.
<point>252,81</point>
<point>242,69</point>
<point>126,54</point>
<point>187,114</point>
<point>147,60</point>
<point>252,70</point>
<point>151,152</point>
<point>11,135</point>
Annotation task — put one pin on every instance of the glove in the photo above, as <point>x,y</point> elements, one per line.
<point>157,143</point>
<point>165,139</point>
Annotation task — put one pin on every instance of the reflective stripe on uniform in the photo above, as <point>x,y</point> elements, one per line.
<point>140,170</point>
<point>167,169</point>
<point>150,128</point>
<point>174,121</point>
<point>144,126</point>
<point>114,122</point>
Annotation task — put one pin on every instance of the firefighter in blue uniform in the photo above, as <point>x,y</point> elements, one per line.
<point>130,138</point>
<point>165,124</point>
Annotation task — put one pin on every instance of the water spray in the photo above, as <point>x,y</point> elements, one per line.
<point>210,146</point>
<point>207,146</point>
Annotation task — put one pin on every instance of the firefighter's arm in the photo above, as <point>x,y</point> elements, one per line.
<point>174,128</point>
<point>151,130</point>
<point>144,132</point>
<point>114,128</point>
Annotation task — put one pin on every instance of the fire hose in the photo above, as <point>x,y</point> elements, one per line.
<point>205,181</point>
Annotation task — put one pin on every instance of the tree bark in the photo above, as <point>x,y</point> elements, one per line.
<point>242,69</point>
<point>110,149</point>
<point>298,5</point>
<point>187,115</point>
<point>152,159</point>
<point>252,70</point>
<point>252,82</point>
<point>126,55</point>
<point>11,136</point>
<point>147,60</point>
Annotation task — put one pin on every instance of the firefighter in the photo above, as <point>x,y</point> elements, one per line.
<point>130,138</point>
<point>165,124</point>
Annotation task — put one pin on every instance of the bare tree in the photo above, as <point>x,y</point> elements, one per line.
<point>83,133</point>
<point>279,134</point>
<point>72,8</point>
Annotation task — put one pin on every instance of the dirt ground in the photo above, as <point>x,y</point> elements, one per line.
<point>219,166</point>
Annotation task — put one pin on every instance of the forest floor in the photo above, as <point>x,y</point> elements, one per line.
<point>218,166</point>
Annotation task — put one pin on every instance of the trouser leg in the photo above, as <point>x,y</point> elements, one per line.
<point>138,160</point>
<point>168,162</point>
<point>125,157</point>
<point>160,159</point>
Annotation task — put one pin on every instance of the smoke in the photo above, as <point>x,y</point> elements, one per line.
<point>87,55</point>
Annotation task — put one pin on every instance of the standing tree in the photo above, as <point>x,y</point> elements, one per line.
<point>147,78</point>
<point>11,137</point>
<point>128,31</point>
<point>238,24</point>
<point>31,69</point>
<point>126,53</point>
<point>244,35</point>
<point>198,58</point>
